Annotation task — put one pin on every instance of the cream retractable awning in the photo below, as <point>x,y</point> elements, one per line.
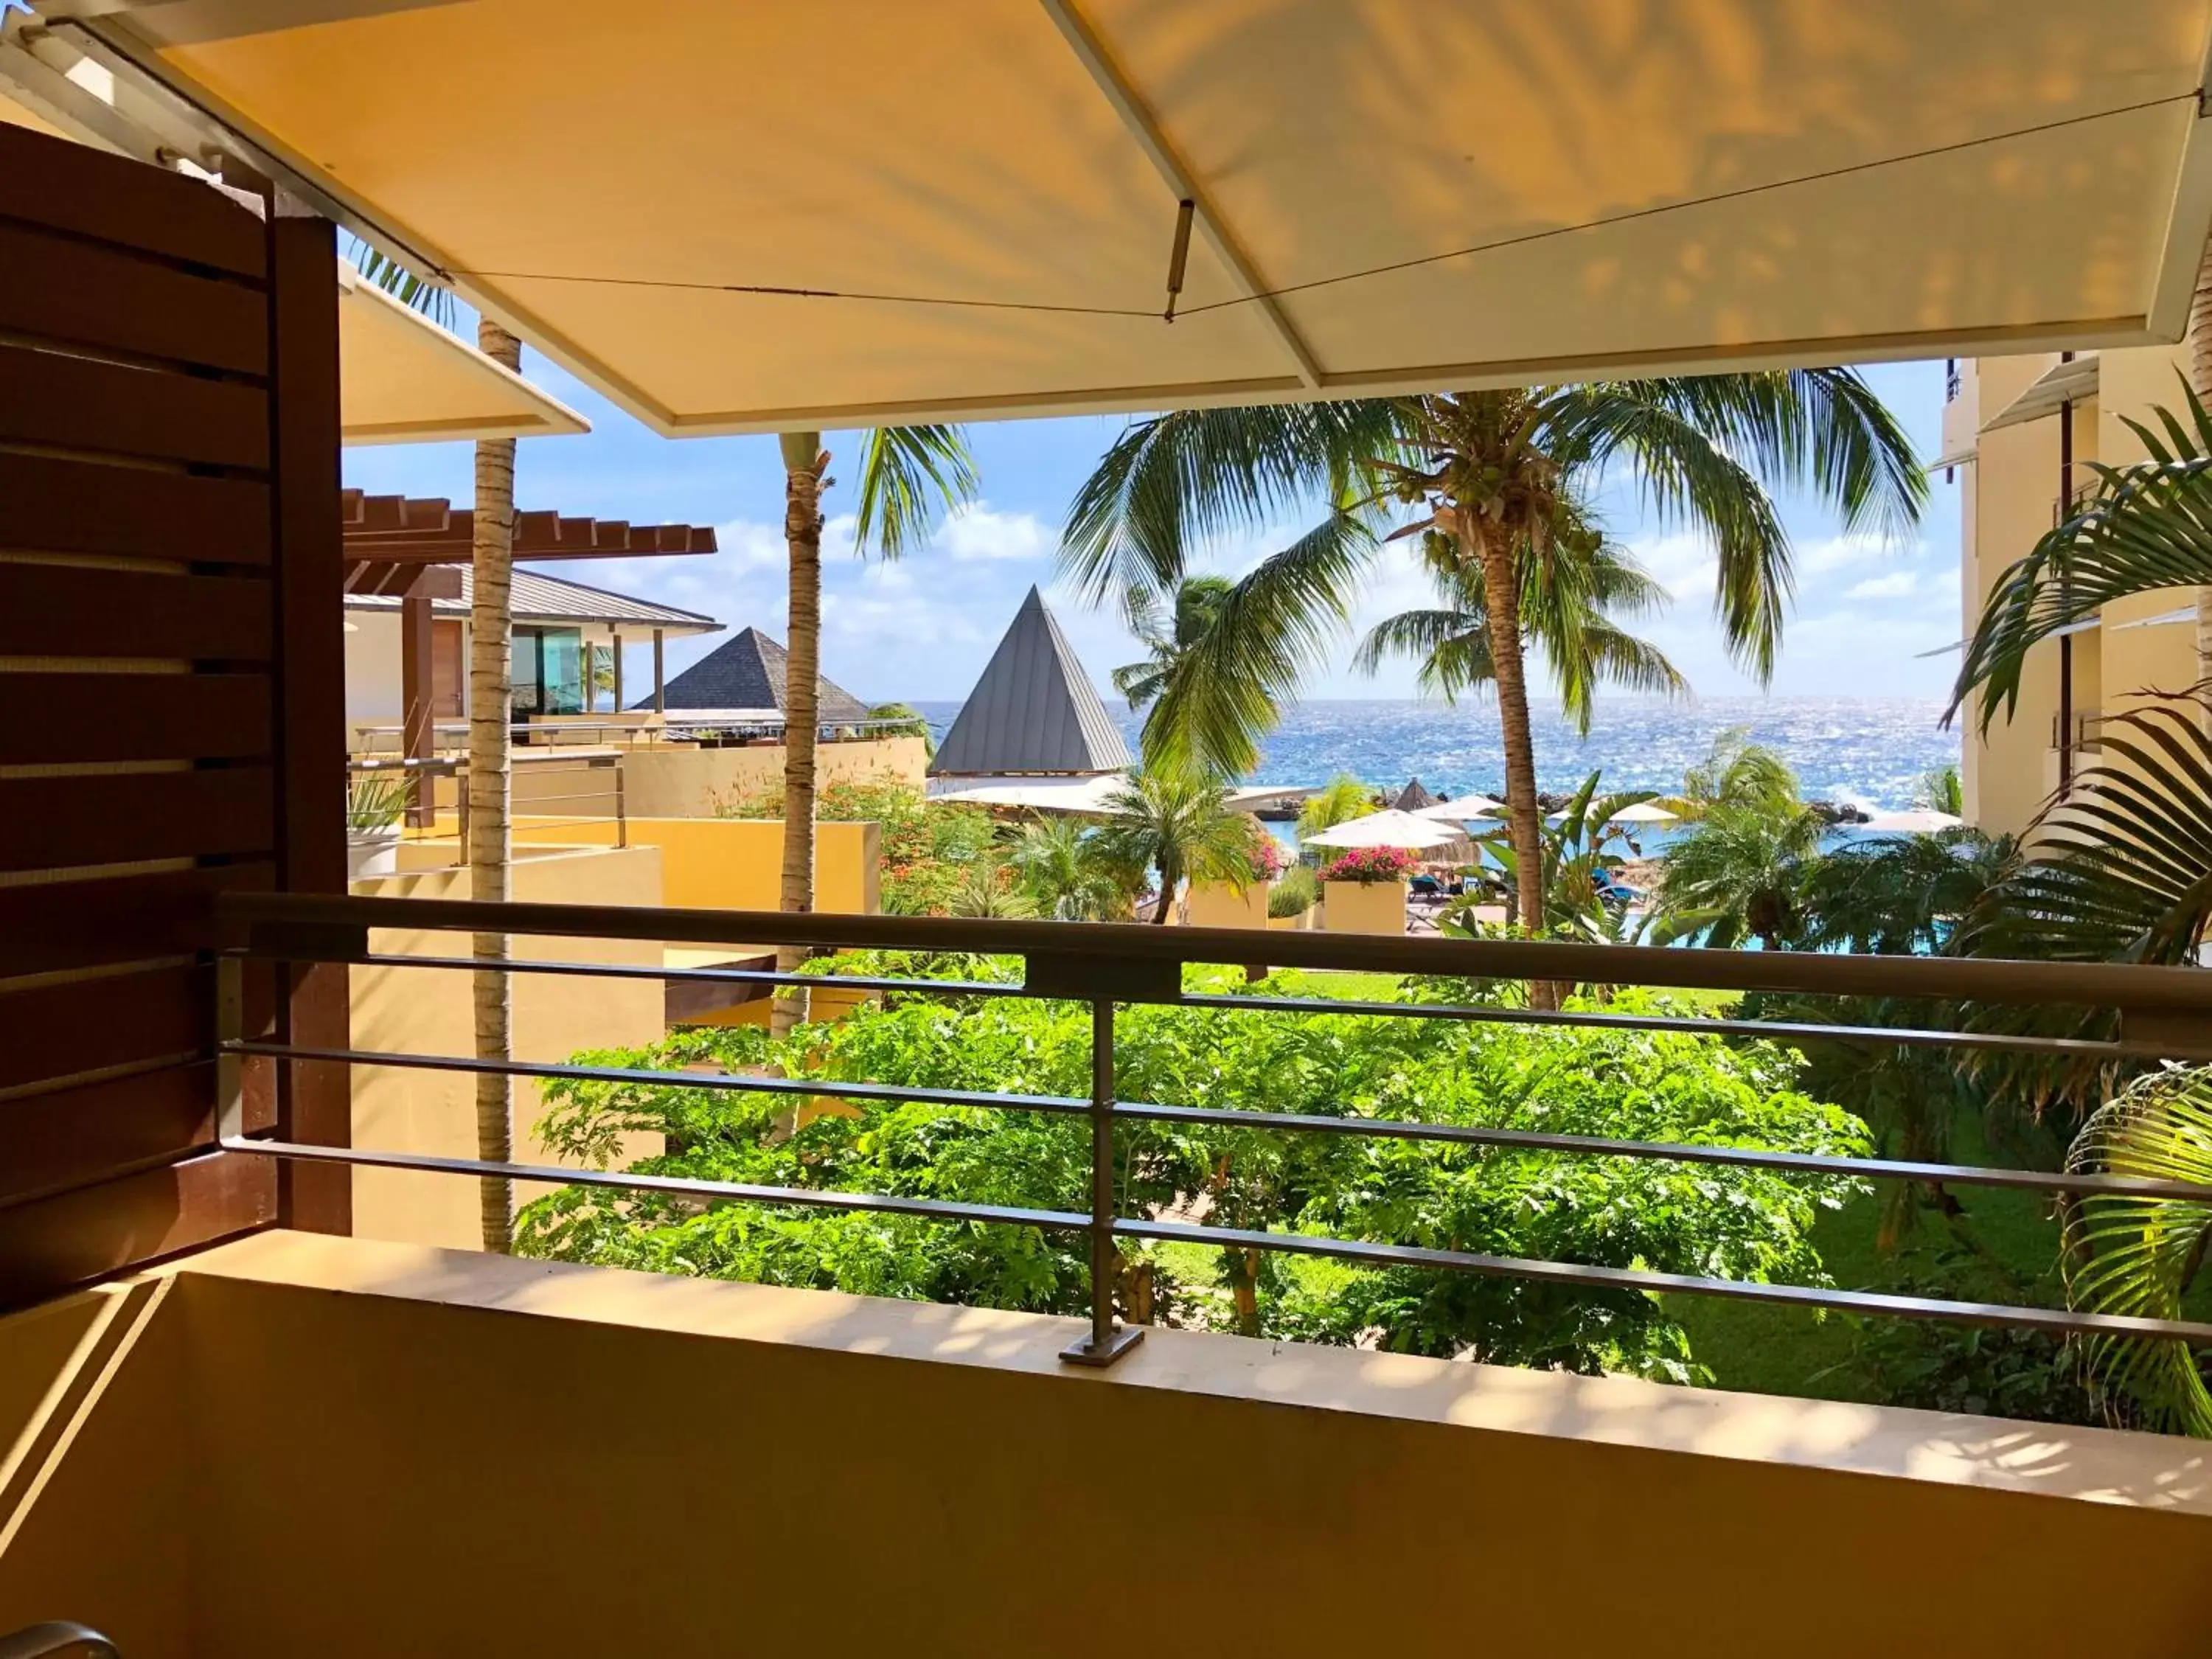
<point>2074,382</point>
<point>402,378</point>
<point>795,213</point>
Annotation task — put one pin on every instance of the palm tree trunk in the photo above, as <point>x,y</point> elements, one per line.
<point>2200,381</point>
<point>1167,893</point>
<point>804,462</point>
<point>490,710</point>
<point>1501,604</point>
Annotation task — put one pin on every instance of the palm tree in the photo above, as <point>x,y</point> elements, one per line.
<point>1738,773</point>
<point>1493,475</point>
<point>1180,825</point>
<point>1343,798</point>
<point>1067,876</point>
<point>908,475</point>
<point>1943,790</point>
<point>1901,895</point>
<point>491,711</point>
<point>1197,602</point>
<point>1568,608</point>
<point>1739,874</point>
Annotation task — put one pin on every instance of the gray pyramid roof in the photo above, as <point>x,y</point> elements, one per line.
<point>747,671</point>
<point>1034,710</point>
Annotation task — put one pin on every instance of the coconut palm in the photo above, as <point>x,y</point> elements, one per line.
<point>1178,824</point>
<point>1487,478</point>
<point>1738,874</point>
<point>2145,527</point>
<point>1738,773</point>
<point>1065,873</point>
<point>909,476</point>
<point>1343,798</point>
<point>1569,608</point>
<point>1197,602</point>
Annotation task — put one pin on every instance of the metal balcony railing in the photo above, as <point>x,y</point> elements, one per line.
<point>2165,1012</point>
<point>591,792</point>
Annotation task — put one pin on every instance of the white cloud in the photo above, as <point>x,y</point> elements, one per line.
<point>1682,564</point>
<point>977,531</point>
<point>1844,552</point>
<point>1897,584</point>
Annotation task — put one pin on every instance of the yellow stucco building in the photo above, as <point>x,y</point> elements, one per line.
<point>2020,432</point>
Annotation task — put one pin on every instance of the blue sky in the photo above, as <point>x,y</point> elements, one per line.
<point>922,629</point>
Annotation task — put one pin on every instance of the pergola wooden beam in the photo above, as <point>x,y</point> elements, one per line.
<point>430,530</point>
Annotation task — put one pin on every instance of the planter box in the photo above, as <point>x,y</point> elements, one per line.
<point>371,852</point>
<point>1300,923</point>
<point>1351,907</point>
<point>1210,905</point>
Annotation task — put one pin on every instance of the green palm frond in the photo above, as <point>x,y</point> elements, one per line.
<point>414,293</point>
<point>2120,871</point>
<point>910,476</point>
<point>1180,824</point>
<point>2147,528</point>
<point>1226,691</point>
<point>2138,1256</point>
<point>1169,482</point>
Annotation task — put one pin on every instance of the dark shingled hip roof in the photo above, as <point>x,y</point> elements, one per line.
<point>1035,709</point>
<point>748,671</point>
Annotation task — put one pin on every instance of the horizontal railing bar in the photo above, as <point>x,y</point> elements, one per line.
<point>2034,1181</point>
<point>650,1078</point>
<point>674,1186</point>
<point>2127,986</point>
<point>1307,1122</point>
<point>2058,1321</point>
<point>705,975</point>
<point>2055,1321</point>
<point>1793,1030</point>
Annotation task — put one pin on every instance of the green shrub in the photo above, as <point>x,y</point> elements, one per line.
<point>1295,892</point>
<point>1663,1086</point>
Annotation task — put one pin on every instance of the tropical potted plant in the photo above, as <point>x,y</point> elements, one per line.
<point>1240,903</point>
<point>375,802</point>
<point>1292,900</point>
<point>1364,890</point>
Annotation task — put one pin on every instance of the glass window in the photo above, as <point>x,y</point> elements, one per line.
<point>524,671</point>
<point>561,671</point>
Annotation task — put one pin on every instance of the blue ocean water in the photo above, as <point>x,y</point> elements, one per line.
<point>1872,753</point>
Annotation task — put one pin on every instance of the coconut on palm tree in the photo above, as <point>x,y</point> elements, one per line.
<point>908,477</point>
<point>1180,825</point>
<point>1490,479</point>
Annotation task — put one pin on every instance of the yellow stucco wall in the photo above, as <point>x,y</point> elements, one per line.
<point>2008,498</point>
<point>428,1011</point>
<point>346,1450</point>
<point>678,782</point>
<point>1351,907</point>
<point>736,864</point>
<point>1211,905</point>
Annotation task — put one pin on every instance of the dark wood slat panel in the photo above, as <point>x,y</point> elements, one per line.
<point>136,717</point>
<point>57,823</point>
<point>51,1244</point>
<point>72,611</point>
<point>59,925</point>
<point>59,1030</point>
<point>314,1102</point>
<point>79,403</point>
<point>51,181</point>
<point>75,1137</point>
<point>50,505</point>
<point>86,295</point>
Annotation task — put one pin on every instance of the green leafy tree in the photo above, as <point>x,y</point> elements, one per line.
<point>910,724</point>
<point>1489,479</point>
<point>1069,874</point>
<point>1738,774</point>
<point>1943,790</point>
<point>1677,1087</point>
<point>1739,874</point>
<point>1179,825</point>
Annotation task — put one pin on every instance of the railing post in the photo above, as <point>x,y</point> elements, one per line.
<point>622,815</point>
<point>1107,1342</point>
<point>229,1065</point>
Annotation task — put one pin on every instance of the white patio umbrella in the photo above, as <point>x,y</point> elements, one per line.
<point>1643,811</point>
<point>1460,811</point>
<point>1410,830</point>
<point>1918,822</point>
